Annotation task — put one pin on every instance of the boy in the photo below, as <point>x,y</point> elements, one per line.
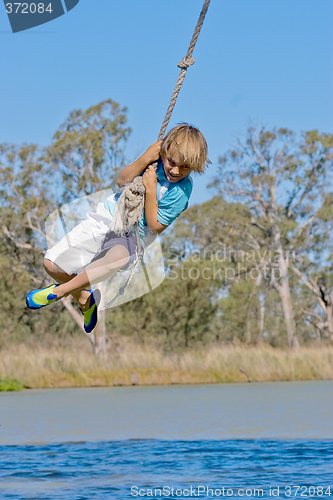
<point>87,255</point>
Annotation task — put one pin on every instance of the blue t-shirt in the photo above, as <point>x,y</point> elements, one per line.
<point>172,199</point>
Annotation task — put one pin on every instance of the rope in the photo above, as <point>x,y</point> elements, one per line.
<point>185,63</point>
<point>131,189</point>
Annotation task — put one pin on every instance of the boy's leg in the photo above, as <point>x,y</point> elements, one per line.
<point>82,297</point>
<point>116,258</point>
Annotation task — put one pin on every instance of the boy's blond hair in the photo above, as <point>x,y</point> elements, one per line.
<point>190,143</point>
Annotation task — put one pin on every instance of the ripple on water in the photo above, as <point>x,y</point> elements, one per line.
<point>107,470</point>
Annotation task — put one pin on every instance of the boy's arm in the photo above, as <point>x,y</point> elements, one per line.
<point>151,206</point>
<point>128,173</point>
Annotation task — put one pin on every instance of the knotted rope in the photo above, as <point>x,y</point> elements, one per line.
<point>129,207</point>
<point>131,201</point>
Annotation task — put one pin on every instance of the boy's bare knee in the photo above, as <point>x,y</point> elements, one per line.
<point>51,267</point>
<point>48,265</point>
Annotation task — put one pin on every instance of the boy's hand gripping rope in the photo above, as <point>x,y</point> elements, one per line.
<point>131,201</point>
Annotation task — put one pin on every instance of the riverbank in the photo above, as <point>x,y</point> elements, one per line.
<point>131,364</point>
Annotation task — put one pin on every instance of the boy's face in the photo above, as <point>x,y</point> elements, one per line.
<point>174,169</point>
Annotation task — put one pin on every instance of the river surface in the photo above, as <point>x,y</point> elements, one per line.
<point>205,441</point>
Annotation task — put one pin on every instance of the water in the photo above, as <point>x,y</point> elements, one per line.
<point>113,470</point>
<point>119,443</point>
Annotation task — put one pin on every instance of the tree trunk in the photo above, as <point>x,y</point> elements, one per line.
<point>78,318</point>
<point>283,288</point>
<point>329,312</point>
<point>100,337</point>
<point>100,332</point>
<point>261,319</point>
<point>247,334</point>
<point>288,314</point>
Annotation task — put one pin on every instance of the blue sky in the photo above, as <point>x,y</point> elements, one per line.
<point>268,62</point>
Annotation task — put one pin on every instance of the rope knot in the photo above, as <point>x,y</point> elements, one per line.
<point>129,207</point>
<point>186,62</point>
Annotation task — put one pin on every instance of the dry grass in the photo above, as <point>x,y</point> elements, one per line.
<point>136,365</point>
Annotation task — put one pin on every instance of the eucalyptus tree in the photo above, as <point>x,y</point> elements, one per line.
<point>25,197</point>
<point>283,179</point>
<point>88,149</point>
<point>83,158</point>
<point>26,191</point>
<point>219,236</point>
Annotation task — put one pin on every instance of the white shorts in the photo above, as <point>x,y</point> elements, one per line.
<point>78,247</point>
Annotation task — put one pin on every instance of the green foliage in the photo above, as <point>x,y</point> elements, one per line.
<point>87,150</point>
<point>8,384</point>
<point>273,193</point>
<point>178,314</point>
